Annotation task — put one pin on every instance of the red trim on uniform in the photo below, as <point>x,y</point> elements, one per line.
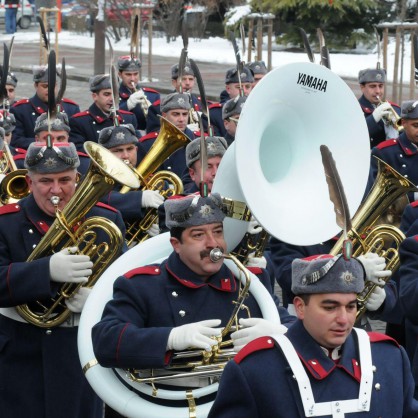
<point>82,154</point>
<point>414,204</point>
<point>103,205</point>
<point>125,112</point>
<point>157,102</point>
<point>377,337</point>
<point>150,90</point>
<point>65,100</point>
<point>255,270</point>
<point>151,135</point>
<point>145,270</point>
<point>124,96</point>
<point>19,157</point>
<point>119,340</point>
<point>416,237</point>
<point>20,102</point>
<point>357,369</point>
<point>367,109</point>
<point>83,113</point>
<point>262,343</point>
<point>318,257</point>
<point>167,357</point>
<point>185,282</point>
<point>10,208</point>
<point>42,227</point>
<point>315,366</point>
<point>226,284</point>
<point>215,105</point>
<point>21,151</point>
<point>386,144</point>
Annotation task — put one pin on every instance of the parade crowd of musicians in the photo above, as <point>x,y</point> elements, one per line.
<point>313,363</point>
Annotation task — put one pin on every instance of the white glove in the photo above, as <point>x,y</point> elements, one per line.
<point>254,328</point>
<point>376,299</point>
<point>76,303</point>
<point>383,110</point>
<point>151,199</point>
<point>138,97</point>
<point>196,334</point>
<point>154,230</point>
<point>374,267</point>
<point>67,267</point>
<point>252,261</point>
<point>254,226</point>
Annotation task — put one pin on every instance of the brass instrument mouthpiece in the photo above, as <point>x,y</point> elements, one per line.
<point>216,254</point>
<point>55,200</point>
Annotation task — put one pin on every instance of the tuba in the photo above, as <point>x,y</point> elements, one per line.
<point>368,234</point>
<point>286,177</point>
<point>105,169</point>
<point>169,140</point>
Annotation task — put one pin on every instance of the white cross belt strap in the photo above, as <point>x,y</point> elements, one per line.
<point>337,408</point>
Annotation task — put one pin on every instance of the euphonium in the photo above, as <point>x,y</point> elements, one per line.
<point>393,118</point>
<point>367,234</point>
<point>169,139</point>
<point>105,169</point>
<point>197,362</point>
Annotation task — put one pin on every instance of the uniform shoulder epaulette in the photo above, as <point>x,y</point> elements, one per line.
<point>83,113</point>
<point>215,105</point>
<point>65,100</point>
<point>123,96</point>
<point>387,143</point>
<point>19,156</point>
<point>150,90</point>
<point>146,270</point>
<point>414,204</point>
<point>377,337</point>
<point>394,104</point>
<point>20,102</point>
<point>125,112</point>
<point>10,208</point>
<point>103,205</point>
<point>157,102</point>
<point>82,154</point>
<point>151,135</point>
<point>262,343</point>
<point>255,270</point>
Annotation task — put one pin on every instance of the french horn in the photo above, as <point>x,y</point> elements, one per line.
<point>272,170</point>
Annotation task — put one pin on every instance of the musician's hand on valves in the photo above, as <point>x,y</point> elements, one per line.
<point>76,303</point>
<point>68,267</point>
<point>253,261</point>
<point>374,266</point>
<point>138,97</point>
<point>253,328</point>
<point>151,199</point>
<point>376,299</point>
<point>254,226</point>
<point>196,334</point>
<point>154,230</point>
<point>383,110</point>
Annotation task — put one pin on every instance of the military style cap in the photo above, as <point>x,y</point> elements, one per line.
<point>233,107</point>
<point>232,76</point>
<point>372,75</point>
<point>48,160</point>
<point>175,101</point>
<point>409,109</point>
<point>327,274</point>
<point>193,210</point>
<point>99,82</point>
<point>257,67</point>
<point>8,122</point>
<point>187,70</point>
<point>127,63</point>
<point>2,134</point>
<point>40,73</point>
<point>117,135</point>
<point>58,123</point>
<point>11,79</point>
<point>216,146</point>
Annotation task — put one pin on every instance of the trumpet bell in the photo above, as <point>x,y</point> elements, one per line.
<point>291,112</point>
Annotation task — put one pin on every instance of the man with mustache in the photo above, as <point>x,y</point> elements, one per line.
<point>183,301</point>
<point>322,366</point>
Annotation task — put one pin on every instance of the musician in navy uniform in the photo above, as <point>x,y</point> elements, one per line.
<point>86,126</point>
<point>45,379</point>
<point>400,153</point>
<point>185,85</point>
<point>27,110</point>
<point>372,84</point>
<point>232,90</point>
<point>231,112</point>
<point>11,84</point>
<point>175,108</point>
<point>122,141</point>
<point>133,97</point>
<point>181,302</point>
<point>322,366</point>
<point>258,69</point>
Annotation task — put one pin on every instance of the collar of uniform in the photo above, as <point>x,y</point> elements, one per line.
<point>38,104</point>
<point>407,146</point>
<point>98,115</point>
<point>124,91</point>
<point>367,106</point>
<point>40,220</point>
<point>316,361</point>
<point>223,280</point>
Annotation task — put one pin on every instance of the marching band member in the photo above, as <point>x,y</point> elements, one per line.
<point>181,302</point>
<point>322,366</point>
<point>258,69</point>
<point>372,84</point>
<point>26,111</point>
<point>231,112</point>
<point>42,363</point>
<point>86,125</point>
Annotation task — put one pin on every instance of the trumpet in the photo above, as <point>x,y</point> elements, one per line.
<point>393,118</point>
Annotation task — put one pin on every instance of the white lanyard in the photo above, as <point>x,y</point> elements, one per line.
<point>337,409</point>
